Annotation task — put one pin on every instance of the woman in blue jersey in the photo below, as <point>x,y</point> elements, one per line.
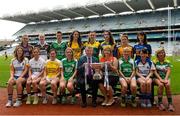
<point>68,74</point>
<point>144,71</point>
<point>18,76</point>
<point>142,44</point>
<point>163,79</point>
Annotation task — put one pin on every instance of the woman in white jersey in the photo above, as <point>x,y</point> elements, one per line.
<point>18,76</point>
<point>36,68</point>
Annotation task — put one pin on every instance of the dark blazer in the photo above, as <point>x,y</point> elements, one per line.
<point>81,67</point>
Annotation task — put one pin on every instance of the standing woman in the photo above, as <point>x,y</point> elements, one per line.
<point>43,46</point>
<point>111,79</point>
<point>18,76</point>
<point>27,48</point>
<point>124,44</point>
<point>93,43</point>
<point>163,79</point>
<point>142,44</point>
<point>36,68</point>
<point>108,40</point>
<point>76,44</point>
<point>59,46</point>
<point>68,74</point>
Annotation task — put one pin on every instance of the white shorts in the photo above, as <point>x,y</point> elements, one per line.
<point>48,79</point>
<point>134,78</point>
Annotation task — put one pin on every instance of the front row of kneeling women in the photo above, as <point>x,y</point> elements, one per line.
<point>39,73</point>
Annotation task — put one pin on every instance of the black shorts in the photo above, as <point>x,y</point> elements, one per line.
<point>113,80</point>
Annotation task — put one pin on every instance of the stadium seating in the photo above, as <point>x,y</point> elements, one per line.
<point>133,21</point>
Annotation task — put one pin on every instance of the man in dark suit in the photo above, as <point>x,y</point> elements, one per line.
<point>85,76</point>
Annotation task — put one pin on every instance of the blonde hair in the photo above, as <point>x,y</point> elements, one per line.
<point>107,47</point>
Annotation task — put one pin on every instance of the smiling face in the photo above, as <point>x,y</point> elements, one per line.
<point>36,52</point>
<point>143,56</point>
<point>126,53</point>
<point>106,36</point>
<point>92,36</point>
<point>124,40</point>
<point>69,53</point>
<point>42,39</point>
<point>52,54</point>
<point>75,35</point>
<point>161,55</point>
<point>25,39</point>
<point>59,36</point>
<point>107,52</point>
<point>19,52</point>
<point>141,38</point>
<point>89,51</point>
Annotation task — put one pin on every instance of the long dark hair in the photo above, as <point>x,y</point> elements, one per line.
<point>79,39</point>
<point>111,40</point>
<point>145,37</point>
<point>15,53</point>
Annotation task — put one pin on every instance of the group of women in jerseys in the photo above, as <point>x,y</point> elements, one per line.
<point>127,65</point>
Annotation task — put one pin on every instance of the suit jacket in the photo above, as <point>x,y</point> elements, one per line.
<point>81,67</point>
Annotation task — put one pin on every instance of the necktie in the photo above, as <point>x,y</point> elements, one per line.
<point>89,67</point>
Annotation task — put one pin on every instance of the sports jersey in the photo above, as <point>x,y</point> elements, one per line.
<point>52,68</point>
<point>113,47</point>
<point>68,68</point>
<point>44,50</point>
<point>104,43</point>
<point>162,67</point>
<point>76,50</point>
<point>121,48</point>
<point>111,59</point>
<point>27,50</point>
<point>19,66</point>
<point>36,66</point>
<point>95,46</point>
<point>144,69</point>
<point>126,67</point>
<point>60,49</point>
<point>139,47</point>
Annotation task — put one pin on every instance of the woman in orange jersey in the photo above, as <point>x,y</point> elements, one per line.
<point>110,78</point>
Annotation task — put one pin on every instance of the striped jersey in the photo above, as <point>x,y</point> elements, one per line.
<point>52,68</point>
<point>19,66</point>
<point>36,66</point>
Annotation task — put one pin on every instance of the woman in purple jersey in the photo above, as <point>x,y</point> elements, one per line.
<point>27,48</point>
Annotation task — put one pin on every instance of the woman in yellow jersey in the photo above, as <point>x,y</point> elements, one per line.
<point>76,44</point>
<point>124,44</point>
<point>93,43</point>
<point>108,40</point>
<point>51,76</point>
